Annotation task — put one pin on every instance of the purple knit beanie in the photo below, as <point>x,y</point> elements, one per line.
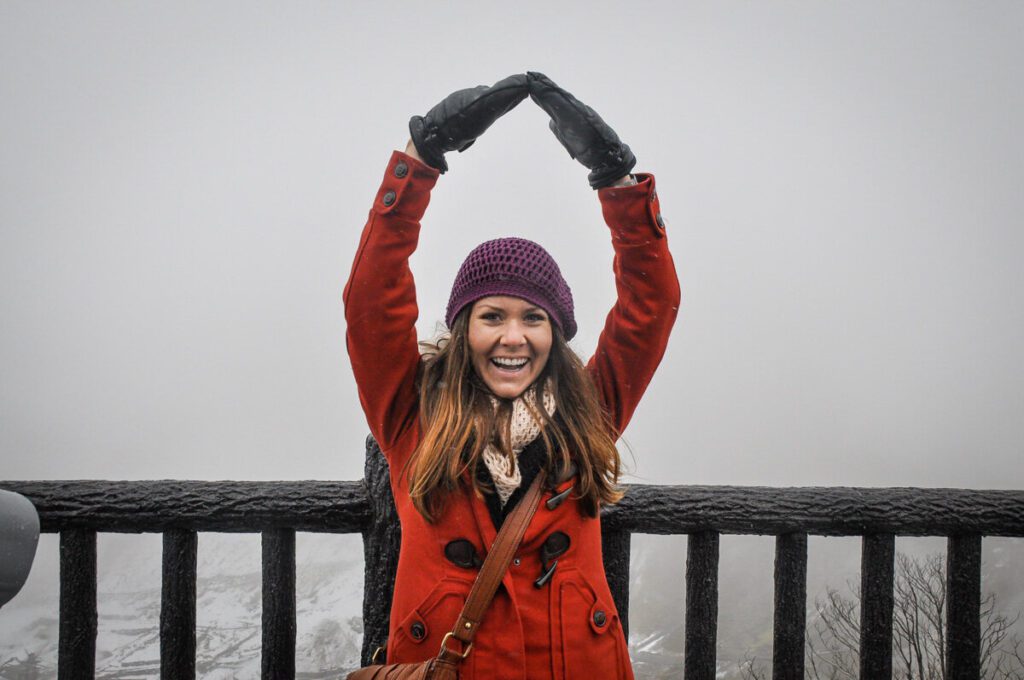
<point>517,267</point>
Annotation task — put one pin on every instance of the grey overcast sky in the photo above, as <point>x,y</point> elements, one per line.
<point>182,187</point>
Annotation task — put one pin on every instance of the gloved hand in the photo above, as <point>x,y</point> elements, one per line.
<point>582,132</point>
<point>462,116</point>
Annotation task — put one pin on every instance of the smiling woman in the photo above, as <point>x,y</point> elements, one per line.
<point>510,339</point>
<point>500,412</point>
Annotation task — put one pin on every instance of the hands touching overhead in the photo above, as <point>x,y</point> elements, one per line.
<point>457,120</point>
<point>582,132</point>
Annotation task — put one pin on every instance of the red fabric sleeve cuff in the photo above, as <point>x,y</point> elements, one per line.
<point>633,212</point>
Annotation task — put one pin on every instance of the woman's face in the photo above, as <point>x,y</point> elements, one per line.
<point>510,341</point>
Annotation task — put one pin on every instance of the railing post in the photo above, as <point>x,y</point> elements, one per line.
<point>878,553</point>
<point>963,622</point>
<point>701,606</point>
<point>178,606</point>
<point>615,545</point>
<point>381,542</point>
<point>790,607</point>
<point>278,658</point>
<point>76,656</point>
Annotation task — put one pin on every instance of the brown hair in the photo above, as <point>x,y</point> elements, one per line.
<point>459,421</point>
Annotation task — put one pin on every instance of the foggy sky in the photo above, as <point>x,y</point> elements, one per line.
<point>182,187</point>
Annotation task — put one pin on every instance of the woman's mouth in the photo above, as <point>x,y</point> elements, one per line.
<point>510,364</point>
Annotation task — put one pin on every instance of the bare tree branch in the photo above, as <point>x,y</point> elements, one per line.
<point>919,616</point>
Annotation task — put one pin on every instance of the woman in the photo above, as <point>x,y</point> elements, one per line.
<point>468,426</point>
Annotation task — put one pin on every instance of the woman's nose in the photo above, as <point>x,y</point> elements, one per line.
<point>513,334</point>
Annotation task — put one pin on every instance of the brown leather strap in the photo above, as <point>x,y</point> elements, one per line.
<point>495,565</point>
<point>445,666</point>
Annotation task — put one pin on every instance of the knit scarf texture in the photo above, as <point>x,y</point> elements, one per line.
<point>524,428</point>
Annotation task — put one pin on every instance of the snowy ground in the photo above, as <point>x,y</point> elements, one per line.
<point>329,585</point>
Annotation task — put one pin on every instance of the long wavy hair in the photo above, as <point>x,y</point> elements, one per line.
<point>459,420</point>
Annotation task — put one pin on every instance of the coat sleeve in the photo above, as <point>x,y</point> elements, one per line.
<point>637,328</point>
<point>380,301</point>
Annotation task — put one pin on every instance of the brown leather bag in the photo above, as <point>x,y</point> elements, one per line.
<point>434,669</point>
<point>445,666</point>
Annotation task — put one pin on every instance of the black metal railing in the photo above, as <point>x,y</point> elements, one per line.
<point>179,509</point>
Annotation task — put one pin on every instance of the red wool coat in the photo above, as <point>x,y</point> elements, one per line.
<point>569,628</point>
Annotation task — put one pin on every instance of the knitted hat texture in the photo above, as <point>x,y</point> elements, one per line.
<point>517,267</point>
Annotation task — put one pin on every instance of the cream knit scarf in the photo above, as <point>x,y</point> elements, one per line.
<point>525,427</point>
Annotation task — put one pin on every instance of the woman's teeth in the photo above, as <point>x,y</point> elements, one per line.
<point>508,363</point>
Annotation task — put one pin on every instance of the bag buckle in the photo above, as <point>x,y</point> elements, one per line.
<point>444,647</point>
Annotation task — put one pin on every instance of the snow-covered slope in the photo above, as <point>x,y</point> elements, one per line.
<point>329,584</point>
<point>329,592</point>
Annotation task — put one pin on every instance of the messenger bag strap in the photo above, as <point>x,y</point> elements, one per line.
<point>493,570</point>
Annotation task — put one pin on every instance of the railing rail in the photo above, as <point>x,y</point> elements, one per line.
<point>158,506</point>
<point>180,509</point>
<point>346,507</point>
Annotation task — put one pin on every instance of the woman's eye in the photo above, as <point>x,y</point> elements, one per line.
<point>535,317</point>
<point>490,316</point>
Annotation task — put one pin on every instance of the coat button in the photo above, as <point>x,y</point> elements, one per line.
<point>556,500</point>
<point>401,170</point>
<point>600,618</point>
<point>389,198</point>
<point>517,561</point>
<point>660,220</point>
<point>417,631</point>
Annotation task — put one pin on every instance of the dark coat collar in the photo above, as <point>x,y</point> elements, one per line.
<point>532,461</point>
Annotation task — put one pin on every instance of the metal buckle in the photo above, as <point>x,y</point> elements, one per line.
<point>376,653</point>
<point>444,642</point>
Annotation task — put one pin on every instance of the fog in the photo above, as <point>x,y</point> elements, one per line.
<point>182,186</point>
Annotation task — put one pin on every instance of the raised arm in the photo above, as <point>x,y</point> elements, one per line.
<point>380,296</point>
<point>380,300</point>
<point>637,328</point>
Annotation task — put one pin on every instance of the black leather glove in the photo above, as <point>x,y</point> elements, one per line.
<point>462,116</point>
<point>582,132</point>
